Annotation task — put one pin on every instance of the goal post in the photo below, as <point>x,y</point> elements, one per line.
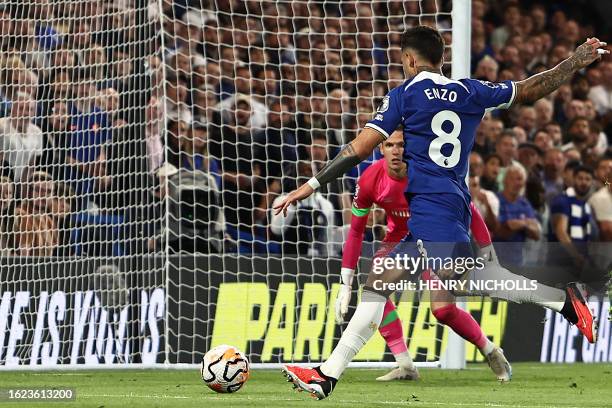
<point>139,231</point>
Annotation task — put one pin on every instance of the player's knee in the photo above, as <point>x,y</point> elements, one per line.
<point>445,313</point>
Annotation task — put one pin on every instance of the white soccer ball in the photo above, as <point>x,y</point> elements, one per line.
<point>225,369</point>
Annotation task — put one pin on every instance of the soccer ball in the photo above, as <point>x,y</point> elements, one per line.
<point>225,369</point>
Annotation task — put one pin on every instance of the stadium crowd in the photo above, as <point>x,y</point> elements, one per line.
<point>247,98</point>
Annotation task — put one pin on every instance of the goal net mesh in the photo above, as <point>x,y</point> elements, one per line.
<point>143,145</point>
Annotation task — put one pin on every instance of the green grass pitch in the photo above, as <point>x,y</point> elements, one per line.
<point>533,386</point>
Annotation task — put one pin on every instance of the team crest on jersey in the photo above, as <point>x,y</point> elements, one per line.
<point>384,106</point>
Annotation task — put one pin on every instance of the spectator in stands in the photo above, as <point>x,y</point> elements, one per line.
<point>527,120</point>
<point>308,227</point>
<point>194,150</point>
<point>175,101</point>
<point>16,78</point>
<point>62,206</point>
<point>231,141</point>
<point>485,200</point>
<point>571,218</point>
<point>20,138</point>
<point>554,130</point>
<point>56,138</point>
<point>568,172</point>
<point>486,135</point>
<point>90,130</point>
<point>507,150</point>
<point>499,36</point>
<point>570,213</point>
<point>153,134</point>
<point>487,69</point>
<point>578,131</point>
<point>276,146</point>
<point>543,140</point>
<point>543,112</point>
<point>35,230</point>
<point>7,201</point>
<point>601,200</point>
<point>490,173</point>
<point>601,95</point>
<point>552,173</point>
<point>517,219</point>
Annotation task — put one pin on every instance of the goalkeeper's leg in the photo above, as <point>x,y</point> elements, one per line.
<point>320,381</point>
<point>393,333</point>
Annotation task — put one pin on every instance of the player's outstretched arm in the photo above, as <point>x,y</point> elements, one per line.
<point>542,84</point>
<point>350,156</point>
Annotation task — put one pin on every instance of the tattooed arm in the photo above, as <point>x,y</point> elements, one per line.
<point>353,154</point>
<point>542,84</point>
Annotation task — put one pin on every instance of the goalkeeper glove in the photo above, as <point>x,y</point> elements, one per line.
<point>344,294</point>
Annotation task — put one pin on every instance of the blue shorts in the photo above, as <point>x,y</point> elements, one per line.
<point>442,222</point>
<point>439,217</point>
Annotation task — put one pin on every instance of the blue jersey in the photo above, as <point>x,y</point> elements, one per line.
<point>440,117</point>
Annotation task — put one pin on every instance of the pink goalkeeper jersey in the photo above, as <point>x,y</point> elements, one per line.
<point>376,186</point>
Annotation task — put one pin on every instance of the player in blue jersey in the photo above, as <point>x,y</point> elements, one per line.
<point>439,117</point>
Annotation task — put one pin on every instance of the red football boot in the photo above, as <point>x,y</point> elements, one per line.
<point>311,380</point>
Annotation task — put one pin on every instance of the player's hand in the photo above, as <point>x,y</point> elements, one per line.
<point>342,302</point>
<point>588,52</point>
<point>344,294</point>
<point>296,195</point>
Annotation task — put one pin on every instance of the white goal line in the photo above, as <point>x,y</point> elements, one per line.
<point>184,366</point>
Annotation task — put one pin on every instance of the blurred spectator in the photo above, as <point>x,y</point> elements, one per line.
<point>231,141</point>
<point>487,69</point>
<point>499,36</point>
<point>507,150</point>
<point>578,132</point>
<point>554,130</point>
<point>601,95</point>
<point>552,173</point>
<point>276,146</point>
<point>601,200</point>
<point>568,173</point>
<point>527,120</point>
<point>517,219</point>
<point>22,140</point>
<point>308,227</point>
<point>7,201</point>
<point>530,156</point>
<point>194,151</point>
<point>543,112</point>
<point>543,140</point>
<point>90,131</point>
<point>62,205</point>
<point>570,216</point>
<point>34,228</point>
<point>153,134</point>
<point>56,130</point>
<point>485,200</point>
<point>490,173</point>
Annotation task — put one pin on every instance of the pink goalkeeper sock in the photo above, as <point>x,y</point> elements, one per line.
<point>391,330</point>
<point>462,323</point>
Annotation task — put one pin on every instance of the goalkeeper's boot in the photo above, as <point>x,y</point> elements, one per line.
<point>576,311</point>
<point>500,366</point>
<point>311,380</point>
<point>401,373</point>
